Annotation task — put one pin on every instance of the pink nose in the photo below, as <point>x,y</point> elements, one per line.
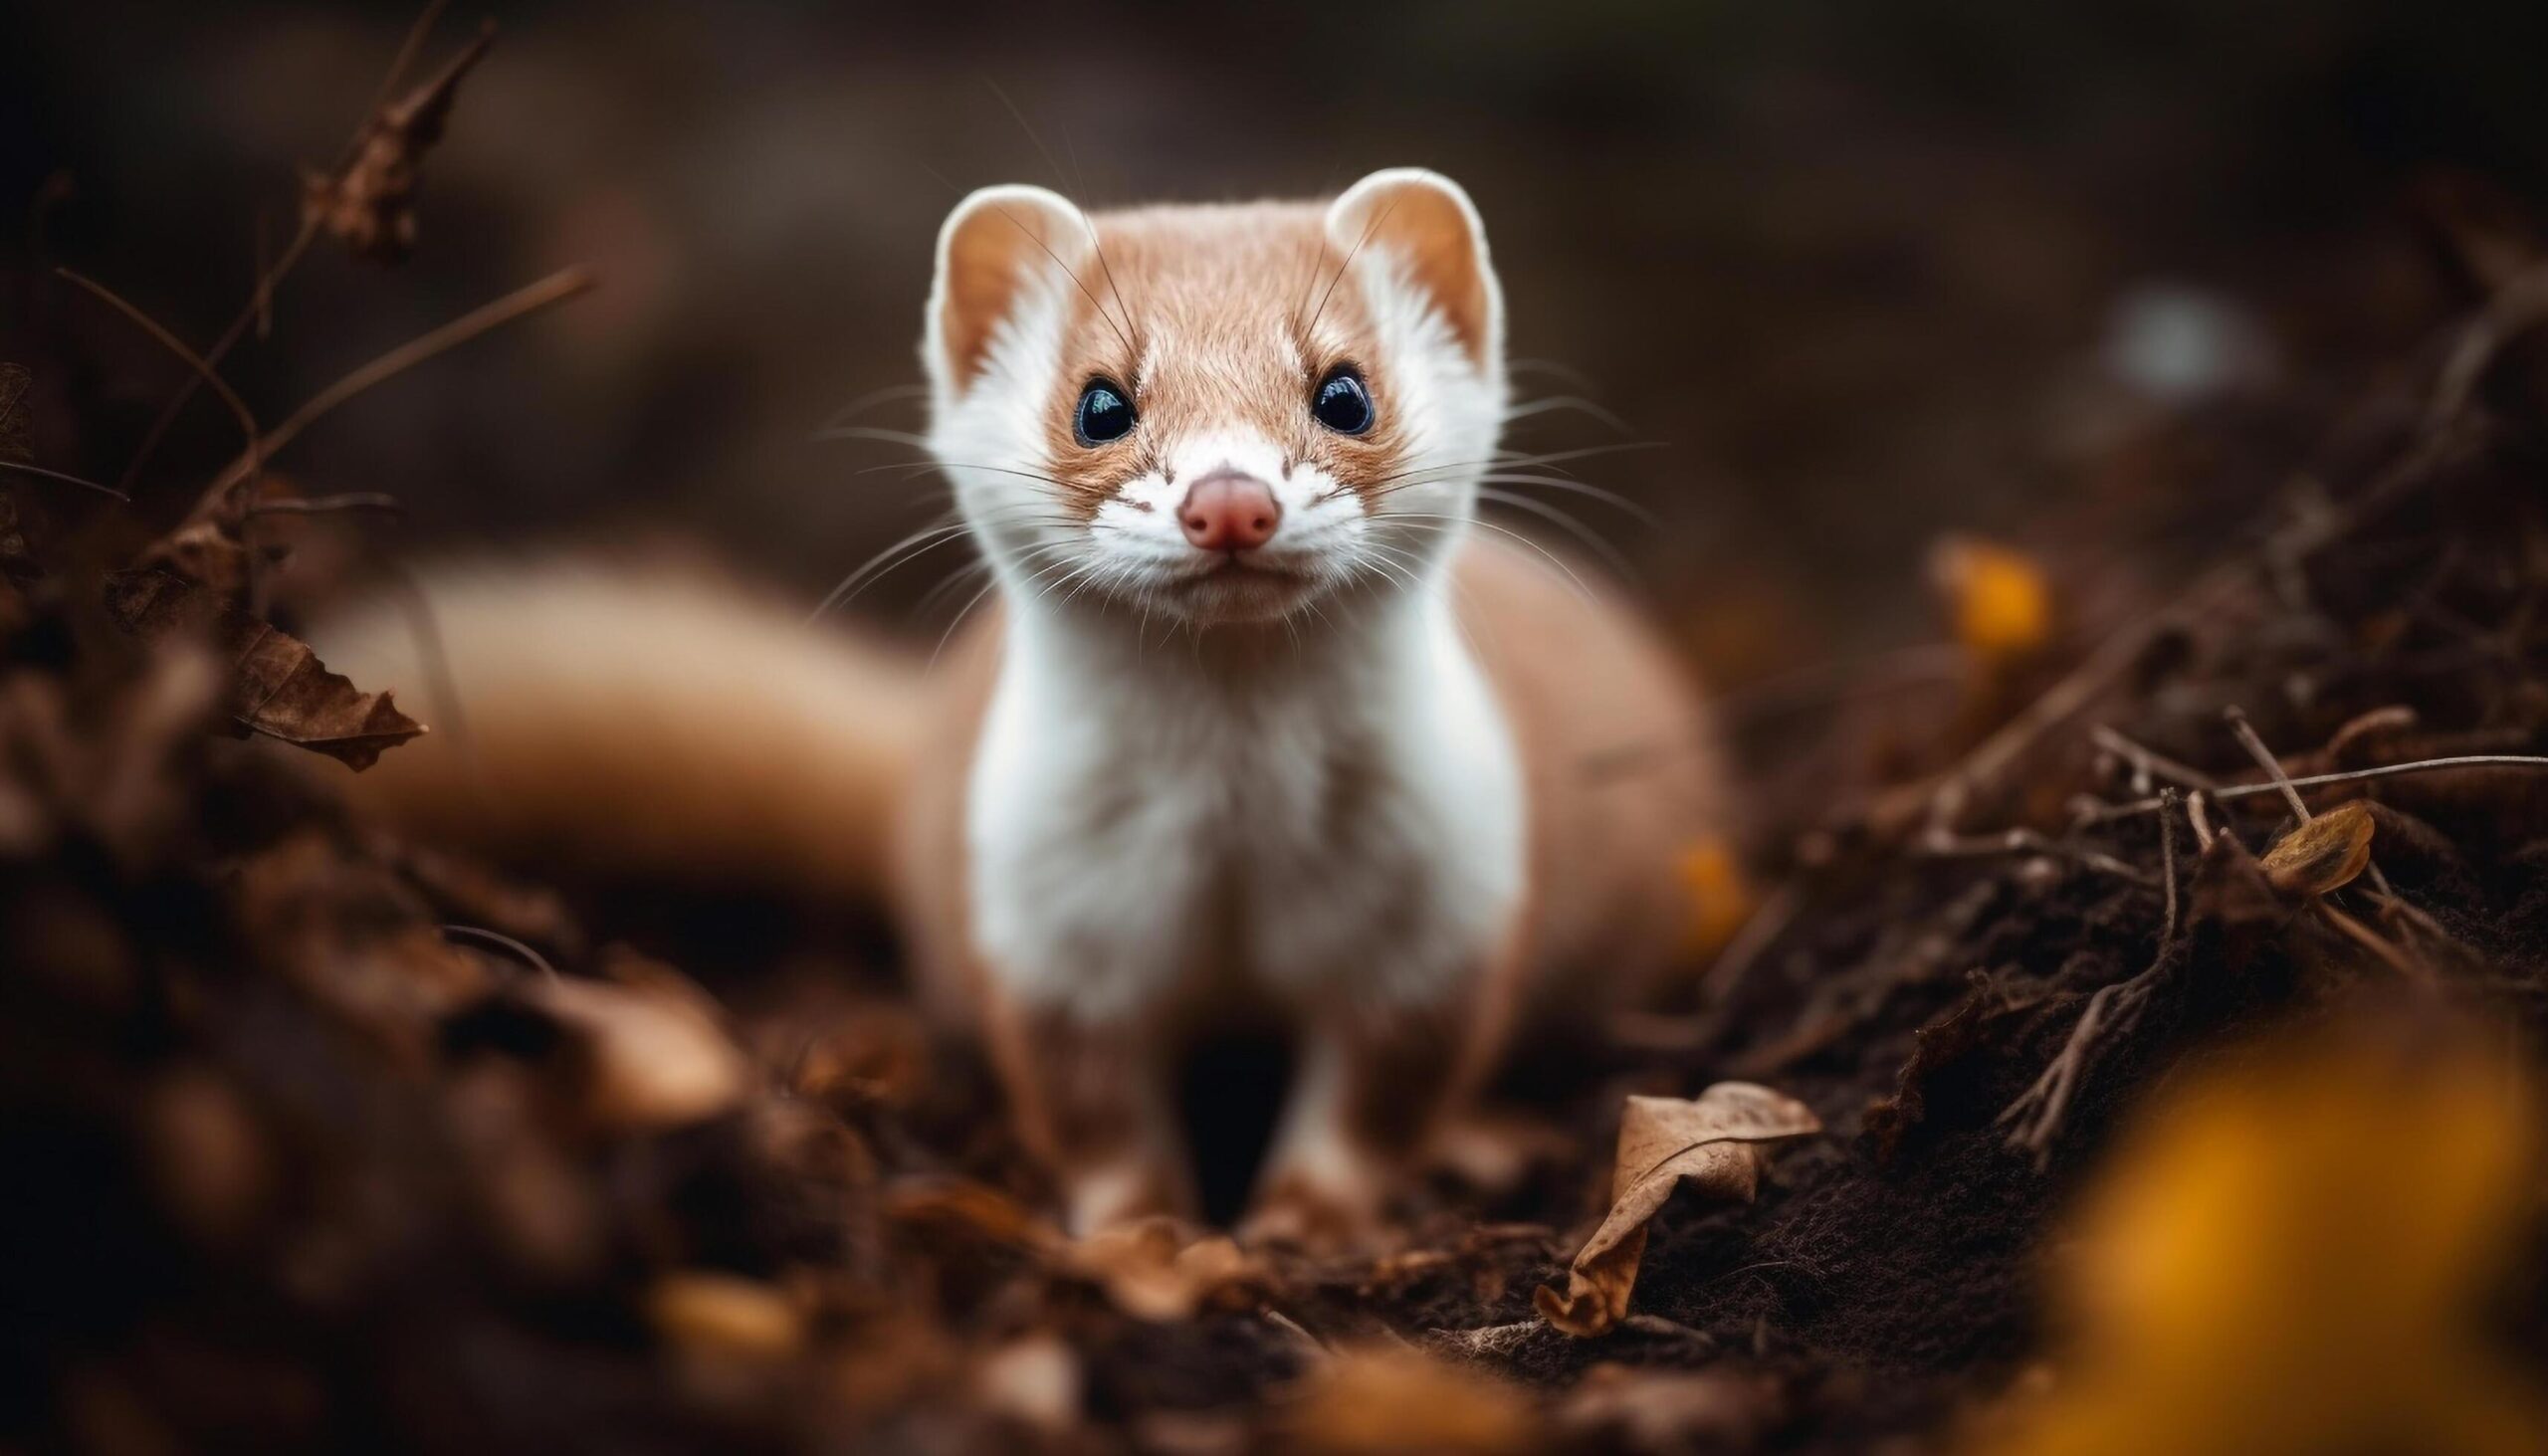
<point>1229,512</point>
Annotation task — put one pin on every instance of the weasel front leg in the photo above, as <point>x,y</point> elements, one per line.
<point>1372,1088</point>
<point>1094,1100</point>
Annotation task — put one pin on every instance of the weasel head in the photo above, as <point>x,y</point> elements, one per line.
<point>1218,414</point>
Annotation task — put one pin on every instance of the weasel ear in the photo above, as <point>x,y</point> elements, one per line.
<point>994,242</point>
<point>1425,222</point>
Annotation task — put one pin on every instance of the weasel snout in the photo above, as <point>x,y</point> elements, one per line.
<point>1229,511</point>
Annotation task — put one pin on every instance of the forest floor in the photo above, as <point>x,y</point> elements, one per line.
<point>326,1139</point>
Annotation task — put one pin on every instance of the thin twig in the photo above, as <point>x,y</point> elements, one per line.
<point>2198,817</point>
<point>2147,761</point>
<point>2168,868</point>
<point>2251,741</point>
<point>259,304</point>
<point>2254,743</point>
<point>2069,697</point>
<point>329,505</point>
<point>253,458</point>
<point>558,287</point>
<point>432,653</point>
<point>2039,1111</point>
<point>2113,812</point>
<point>22,468</point>
<point>1311,1344</point>
<point>1936,845</point>
<point>259,309</point>
<point>1760,931</point>
<point>2515,308</point>
<point>537,961</point>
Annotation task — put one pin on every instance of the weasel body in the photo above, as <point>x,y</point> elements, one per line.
<point>1259,726</point>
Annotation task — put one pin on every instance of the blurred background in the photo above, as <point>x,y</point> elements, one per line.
<point>1866,271</point>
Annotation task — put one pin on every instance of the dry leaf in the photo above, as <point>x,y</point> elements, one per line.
<point>2295,1255</point>
<point>2322,855</point>
<point>651,1060</point>
<point>724,1314</point>
<point>1999,601</point>
<point>1714,1142</point>
<point>277,686</point>
<point>371,206</point>
<point>1150,1273</point>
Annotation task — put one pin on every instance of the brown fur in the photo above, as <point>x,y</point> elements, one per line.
<point>1232,310</point>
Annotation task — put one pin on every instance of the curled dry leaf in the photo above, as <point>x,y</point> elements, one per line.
<point>1714,1142</point>
<point>2322,855</point>
<point>1150,1273</point>
<point>277,686</point>
<point>650,1060</point>
<point>370,206</point>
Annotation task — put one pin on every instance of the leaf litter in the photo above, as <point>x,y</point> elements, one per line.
<point>334,1141</point>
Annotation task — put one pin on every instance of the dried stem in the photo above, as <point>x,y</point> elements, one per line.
<point>499,939</point>
<point>253,460</point>
<point>564,284</point>
<point>2256,749</point>
<point>22,468</point>
<point>2147,763</point>
<point>259,312</point>
<point>1937,845</point>
<point>2112,812</point>
<point>329,505</point>
<point>2038,1111</point>
<point>1750,944</point>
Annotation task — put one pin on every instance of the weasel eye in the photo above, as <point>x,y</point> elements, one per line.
<point>1104,414</point>
<point>1342,403</point>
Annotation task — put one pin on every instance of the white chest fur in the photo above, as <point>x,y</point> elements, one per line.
<point>1336,817</point>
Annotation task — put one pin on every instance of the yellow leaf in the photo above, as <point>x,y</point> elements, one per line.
<point>1997,599</point>
<point>1721,894</point>
<point>2293,1257</point>
<point>2323,855</point>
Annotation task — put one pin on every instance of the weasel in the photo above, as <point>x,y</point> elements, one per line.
<point>1261,724</point>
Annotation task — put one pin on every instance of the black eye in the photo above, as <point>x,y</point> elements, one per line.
<point>1342,403</point>
<point>1105,413</point>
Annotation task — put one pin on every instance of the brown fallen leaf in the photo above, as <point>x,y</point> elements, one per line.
<point>715,1313</point>
<point>278,686</point>
<point>370,206</point>
<point>1150,1273</point>
<point>1714,1142</point>
<point>649,1060</point>
<point>2322,855</point>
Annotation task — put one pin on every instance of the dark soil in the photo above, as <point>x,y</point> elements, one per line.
<point>320,1140</point>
